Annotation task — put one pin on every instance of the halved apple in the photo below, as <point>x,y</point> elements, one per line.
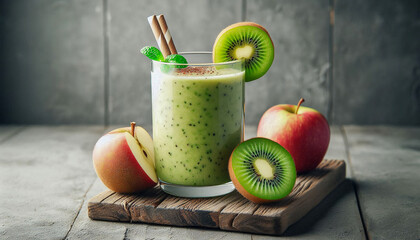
<point>124,160</point>
<point>144,140</point>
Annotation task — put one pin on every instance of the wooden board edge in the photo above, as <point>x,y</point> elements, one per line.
<point>339,175</point>
<point>98,211</point>
<point>124,208</point>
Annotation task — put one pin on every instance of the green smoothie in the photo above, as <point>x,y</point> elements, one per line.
<point>197,122</point>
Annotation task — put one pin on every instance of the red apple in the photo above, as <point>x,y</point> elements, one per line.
<point>124,160</point>
<point>303,131</point>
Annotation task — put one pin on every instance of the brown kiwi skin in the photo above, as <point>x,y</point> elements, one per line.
<point>241,189</point>
<point>238,25</point>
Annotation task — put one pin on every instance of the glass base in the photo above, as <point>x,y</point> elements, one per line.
<point>197,191</point>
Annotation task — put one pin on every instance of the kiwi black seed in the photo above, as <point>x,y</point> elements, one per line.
<point>262,170</point>
<point>249,41</point>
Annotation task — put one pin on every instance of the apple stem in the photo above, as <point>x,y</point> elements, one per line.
<point>133,126</point>
<point>300,102</point>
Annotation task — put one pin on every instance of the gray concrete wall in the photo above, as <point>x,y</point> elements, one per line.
<point>78,61</point>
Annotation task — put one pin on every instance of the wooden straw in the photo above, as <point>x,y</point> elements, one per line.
<point>165,31</point>
<point>160,38</point>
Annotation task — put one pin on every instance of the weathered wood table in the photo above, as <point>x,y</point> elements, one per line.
<point>47,177</point>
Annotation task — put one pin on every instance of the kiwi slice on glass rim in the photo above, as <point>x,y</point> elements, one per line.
<point>262,170</point>
<point>249,41</point>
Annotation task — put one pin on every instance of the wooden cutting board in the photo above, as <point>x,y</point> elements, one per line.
<point>231,212</point>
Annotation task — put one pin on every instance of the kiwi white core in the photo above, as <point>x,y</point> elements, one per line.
<point>245,51</point>
<point>264,168</point>
<point>145,163</point>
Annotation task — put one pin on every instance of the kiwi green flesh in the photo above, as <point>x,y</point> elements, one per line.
<point>250,43</point>
<point>251,163</point>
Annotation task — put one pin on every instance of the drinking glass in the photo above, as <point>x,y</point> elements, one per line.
<point>198,120</point>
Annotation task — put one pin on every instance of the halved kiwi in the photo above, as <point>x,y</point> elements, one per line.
<point>249,41</point>
<point>262,170</point>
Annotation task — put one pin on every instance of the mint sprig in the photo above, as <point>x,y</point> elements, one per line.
<point>152,53</point>
<point>156,55</point>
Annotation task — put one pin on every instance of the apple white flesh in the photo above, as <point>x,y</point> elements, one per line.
<point>146,144</point>
<point>141,157</point>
